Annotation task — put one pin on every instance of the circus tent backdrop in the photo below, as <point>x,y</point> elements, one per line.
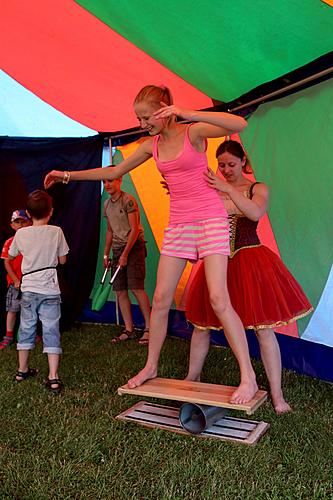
<point>73,69</point>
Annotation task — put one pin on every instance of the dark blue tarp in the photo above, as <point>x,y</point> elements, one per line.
<point>24,162</point>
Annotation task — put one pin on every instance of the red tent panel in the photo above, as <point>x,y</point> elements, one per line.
<point>73,61</point>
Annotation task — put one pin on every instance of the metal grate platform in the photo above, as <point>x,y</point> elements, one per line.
<point>158,416</point>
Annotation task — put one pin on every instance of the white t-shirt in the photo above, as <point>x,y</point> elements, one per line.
<point>40,247</point>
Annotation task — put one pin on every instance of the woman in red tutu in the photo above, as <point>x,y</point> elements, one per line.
<point>262,290</point>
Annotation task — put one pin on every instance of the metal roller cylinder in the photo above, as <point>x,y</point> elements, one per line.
<point>196,418</point>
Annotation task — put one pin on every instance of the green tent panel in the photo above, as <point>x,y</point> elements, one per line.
<point>223,47</point>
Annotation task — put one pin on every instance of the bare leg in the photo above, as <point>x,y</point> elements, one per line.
<point>53,360</point>
<point>198,351</point>
<point>56,385</point>
<point>144,304</point>
<point>125,308</point>
<point>23,371</point>
<point>271,358</point>
<point>10,322</point>
<point>216,276</point>
<point>23,359</point>
<point>168,274</point>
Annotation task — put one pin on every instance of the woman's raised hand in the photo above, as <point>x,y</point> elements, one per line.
<point>216,182</point>
<point>53,177</point>
<point>165,111</point>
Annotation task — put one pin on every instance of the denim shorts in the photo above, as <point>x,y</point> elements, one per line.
<point>13,303</point>
<point>46,308</point>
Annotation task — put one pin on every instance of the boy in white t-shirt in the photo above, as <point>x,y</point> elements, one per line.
<point>42,248</point>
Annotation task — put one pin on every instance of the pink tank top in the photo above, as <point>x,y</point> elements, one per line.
<point>191,199</point>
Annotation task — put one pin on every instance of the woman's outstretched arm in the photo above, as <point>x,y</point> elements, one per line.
<point>140,155</point>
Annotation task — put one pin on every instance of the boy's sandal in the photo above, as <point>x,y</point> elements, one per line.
<point>144,340</point>
<point>21,376</point>
<point>123,337</point>
<point>50,383</point>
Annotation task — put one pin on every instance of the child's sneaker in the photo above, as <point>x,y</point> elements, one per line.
<point>6,342</point>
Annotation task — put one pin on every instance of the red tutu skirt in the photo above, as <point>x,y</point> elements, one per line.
<point>262,291</point>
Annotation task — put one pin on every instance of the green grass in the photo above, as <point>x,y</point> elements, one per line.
<point>71,447</point>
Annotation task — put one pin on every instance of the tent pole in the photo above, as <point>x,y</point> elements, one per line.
<point>117,305</point>
<point>261,99</point>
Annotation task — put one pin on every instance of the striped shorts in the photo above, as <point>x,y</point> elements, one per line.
<point>197,239</point>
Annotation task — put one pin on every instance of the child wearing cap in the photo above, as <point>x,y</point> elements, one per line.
<point>19,219</point>
<point>42,246</point>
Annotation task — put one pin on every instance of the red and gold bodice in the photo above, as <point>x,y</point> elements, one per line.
<point>243,231</point>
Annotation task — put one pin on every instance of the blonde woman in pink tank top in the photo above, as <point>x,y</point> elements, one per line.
<point>194,231</point>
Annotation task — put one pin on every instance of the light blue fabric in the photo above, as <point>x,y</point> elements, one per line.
<point>320,327</point>
<point>23,114</point>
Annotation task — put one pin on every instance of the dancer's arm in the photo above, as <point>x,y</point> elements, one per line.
<point>253,209</point>
<point>209,124</point>
<point>140,155</point>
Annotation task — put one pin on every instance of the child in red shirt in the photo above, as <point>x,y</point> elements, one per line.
<point>13,267</point>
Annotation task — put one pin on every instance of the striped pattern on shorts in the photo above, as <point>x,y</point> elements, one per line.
<point>197,239</point>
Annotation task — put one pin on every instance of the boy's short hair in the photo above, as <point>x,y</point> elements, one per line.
<point>39,204</point>
<point>116,179</point>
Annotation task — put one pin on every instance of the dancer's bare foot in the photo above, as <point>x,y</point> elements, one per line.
<point>244,393</point>
<point>145,374</point>
<point>281,405</point>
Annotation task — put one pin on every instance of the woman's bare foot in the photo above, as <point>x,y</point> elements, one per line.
<point>145,374</point>
<point>281,406</point>
<point>244,393</point>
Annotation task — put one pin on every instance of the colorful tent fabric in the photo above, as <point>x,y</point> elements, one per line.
<point>88,59</point>
<point>289,142</point>
<point>91,67</point>
<point>222,47</point>
<point>284,142</point>
<point>78,65</point>
<point>145,184</point>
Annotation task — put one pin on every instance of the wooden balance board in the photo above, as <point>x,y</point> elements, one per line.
<point>194,392</point>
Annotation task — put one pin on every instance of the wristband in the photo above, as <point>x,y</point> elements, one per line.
<point>66,177</point>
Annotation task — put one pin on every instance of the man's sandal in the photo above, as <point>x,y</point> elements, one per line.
<point>144,340</point>
<point>21,376</point>
<point>123,337</point>
<point>54,385</point>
